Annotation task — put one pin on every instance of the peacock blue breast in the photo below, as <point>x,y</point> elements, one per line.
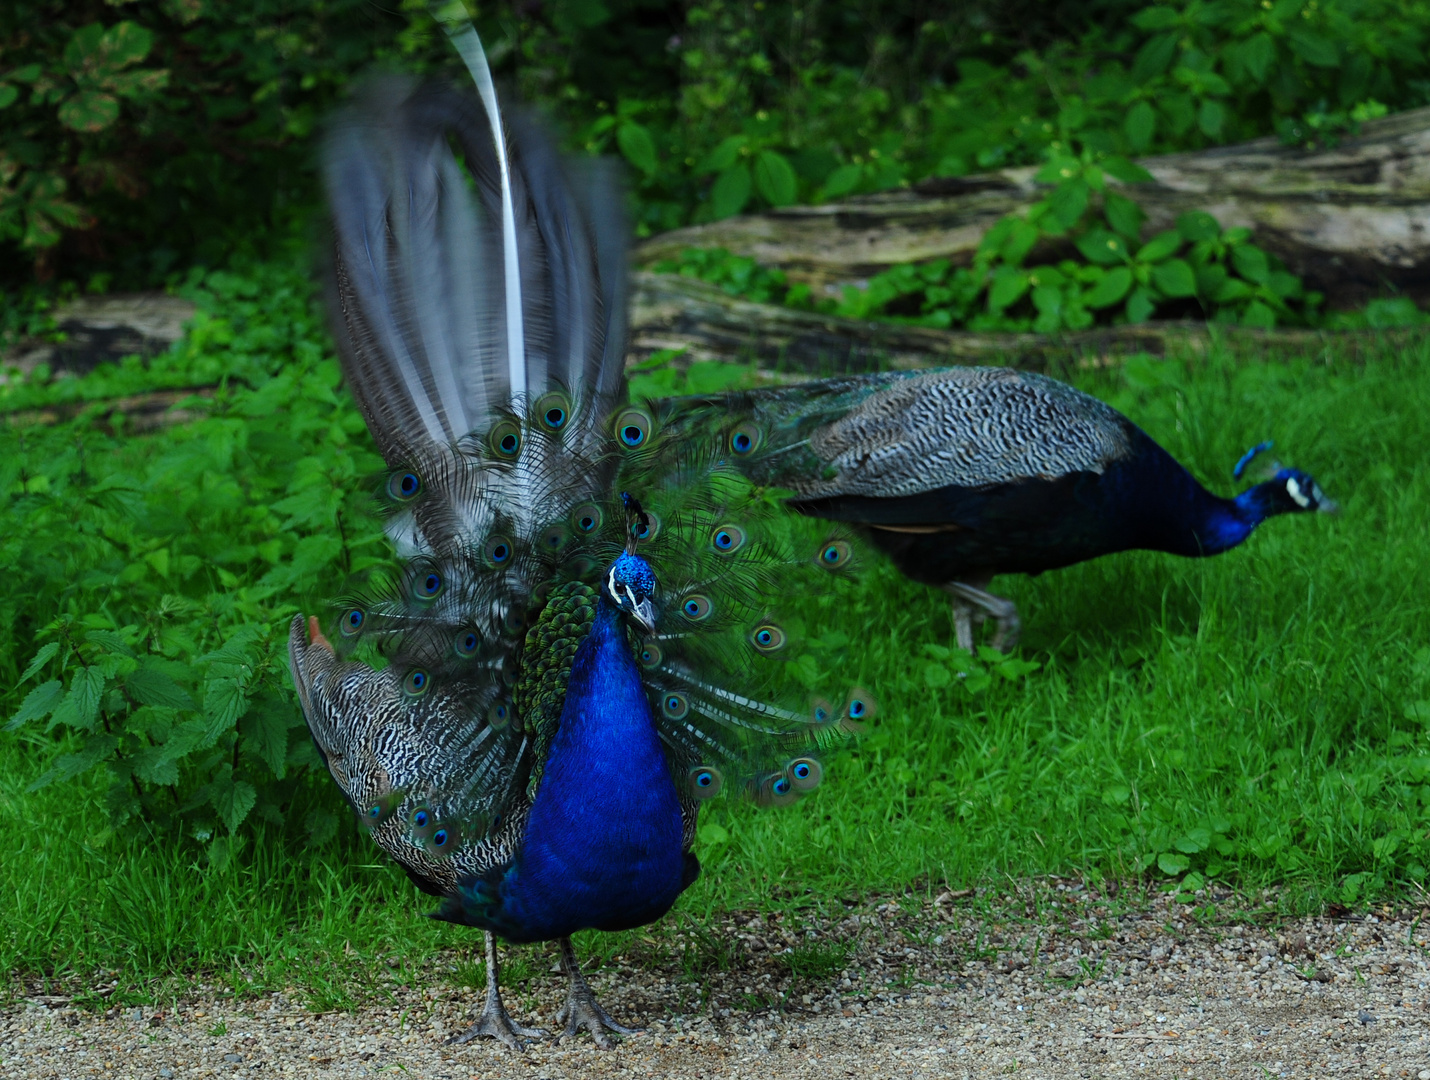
<point>603,842</point>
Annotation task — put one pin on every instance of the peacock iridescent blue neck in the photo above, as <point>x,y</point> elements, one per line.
<point>1158,504</point>
<point>603,842</point>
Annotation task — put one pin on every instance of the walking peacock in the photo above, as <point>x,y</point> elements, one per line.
<point>965,473</point>
<point>583,641</point>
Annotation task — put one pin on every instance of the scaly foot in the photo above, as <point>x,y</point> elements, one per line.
<point>581,1010</point>
<point>495,1021</point>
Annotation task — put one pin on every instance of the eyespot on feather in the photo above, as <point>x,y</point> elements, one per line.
<point>443,840</point>
<point>504,439</point>
<point>633,428</point>
<point>499,715</point>
<point>775,789</point>
<point>696,608</point>
<point>352,622</point>
<point>466,643</point>
<point>552,410</point>
<point>746,438</point>
<point>821,711</point>
<point>648,529</point>
<point>651,656</point>
<point>805,773</point>
<point>404,486</point>
<point>675,706</point>
<point>860,706</point>
<point>497,550</point>
<point>427,586</point>
<point>380,810</point>
<point>727,539</point>
<point>586,518</point>
<point>768,638</point>
<point>416,682</point>
<point>833,554</point>
<point>554,538</point>
<point>421,822</point>
<point>705,781</point>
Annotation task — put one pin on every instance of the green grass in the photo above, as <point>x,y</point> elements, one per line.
<point>1256,719</point>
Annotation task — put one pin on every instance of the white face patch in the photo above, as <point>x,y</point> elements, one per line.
<point>1293,488</point>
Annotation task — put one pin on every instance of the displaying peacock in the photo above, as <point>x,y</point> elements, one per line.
<point>965,473</point>
<point>583,641</point>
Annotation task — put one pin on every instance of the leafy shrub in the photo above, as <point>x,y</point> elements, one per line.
<point>157,573</point>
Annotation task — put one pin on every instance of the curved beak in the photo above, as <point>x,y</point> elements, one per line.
<point>644,613</point>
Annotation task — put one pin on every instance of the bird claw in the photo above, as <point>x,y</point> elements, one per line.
<point>495,1022</point>
<point>581,1011</point>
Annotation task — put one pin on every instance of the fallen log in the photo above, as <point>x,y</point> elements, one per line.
<point>700,322</point>
<point>1352,220</point>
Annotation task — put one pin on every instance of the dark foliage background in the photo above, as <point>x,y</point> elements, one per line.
<point>139,138</point>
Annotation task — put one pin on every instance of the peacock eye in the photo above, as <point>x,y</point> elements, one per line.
<point>467,643</point>
<point>505,439</point>
<point>633,427</point>
<point>695,608</point>
<point>499,715</point>
<point>727,539</point>
<point>860,705</point>
<point>745,439</point>
<point>587,517</point>
<point>821,712</point>
<point>416,682</point>
<point>675,706</point>
<point>420,818</point>
<point>439,838</point>
<point>352,622</point>
<point>780,785</point>
<point>805,773</point>
<point>554,538</point>
<point>651,656</point>
<point>646,529</point>
<point>374,812</point>
<point>834,554</point>
<point>769,638</point>
<point>705,781</point>
<point>428,585</point>
<point>404,486</point>
<point>497,550</point>
<point>554,409</point>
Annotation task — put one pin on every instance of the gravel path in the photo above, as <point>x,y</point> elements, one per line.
<point>1054,982</point>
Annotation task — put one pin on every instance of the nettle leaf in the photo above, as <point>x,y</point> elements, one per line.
<point>80,707</point>
<point>154,765</point>
<point>638,147</point>
<point>224,703</point>
<point>1154,57</point>
<point>1139,305</point>
<point>1124,215</point>
<point>265,733</point>
<point>68,766</point>
<point>8,94</point>
<point>775,178</point>
<point>1256,54</point>
<point>1196,225</point>
<point>1008,285</point>
<point>1313,48</point>
<point>37,704</point>
<point>1102,247</point>
<point>232,800</point>
<point>1156,18</point>
<point>1211,117</point>
<point>43,657</point>
<point>1068,201</point>
<point>89,111</point>
<point>1251,263</point>
<point>1140,125</point>
<point>149,686</point>
<point>1112,288</point>
<point>731,191</point>
<point>1174,278</point>
<point>842,181</point>
<point>1162,246</point>
<point>723,156</point>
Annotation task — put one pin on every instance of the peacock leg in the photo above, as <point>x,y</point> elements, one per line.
<point>581,1010</point>
<point>970,601</point>
<point>495,1021</point>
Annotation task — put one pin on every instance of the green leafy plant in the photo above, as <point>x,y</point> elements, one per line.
<point>152,579</point>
